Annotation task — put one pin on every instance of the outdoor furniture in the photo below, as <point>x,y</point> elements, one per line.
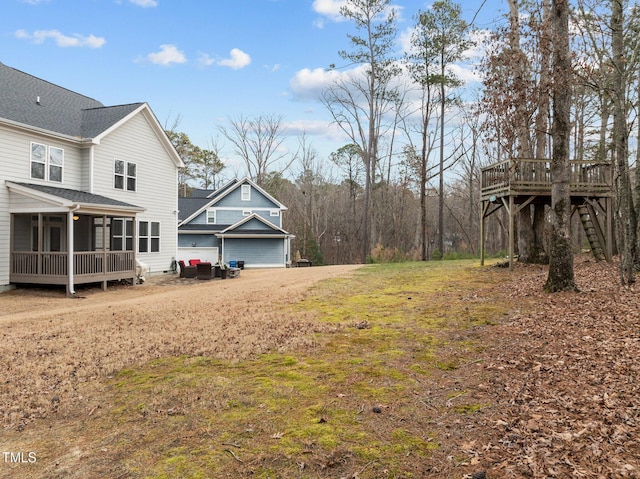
<point>193,262</point>
<point>233,272</point>
<point>205,270</point>
<point>187,271</point>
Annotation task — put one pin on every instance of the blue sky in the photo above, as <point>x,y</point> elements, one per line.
<point>200,60</point>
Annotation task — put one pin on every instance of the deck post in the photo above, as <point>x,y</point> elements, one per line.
<point>511,232</point>
<point>482,210</point>
<point>609,226</point>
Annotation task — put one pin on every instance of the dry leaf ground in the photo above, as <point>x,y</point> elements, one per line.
<point>564,376</point>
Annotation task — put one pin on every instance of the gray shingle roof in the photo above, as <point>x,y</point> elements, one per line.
<point>35,102</point>
<point>189,205</point>
<point>77,196</point>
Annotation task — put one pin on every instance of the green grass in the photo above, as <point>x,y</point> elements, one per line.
<point>351,402</point>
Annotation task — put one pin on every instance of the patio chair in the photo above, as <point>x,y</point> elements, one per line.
<point>187,271</point>
<point>204,270</point>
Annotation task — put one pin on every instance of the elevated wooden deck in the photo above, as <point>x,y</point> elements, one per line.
<point>529,177</point>
<point>516,183</point>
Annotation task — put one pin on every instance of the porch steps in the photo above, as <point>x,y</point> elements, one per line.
<point>592,230</point>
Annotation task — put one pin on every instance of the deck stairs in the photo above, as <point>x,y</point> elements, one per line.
<point>593,230</point>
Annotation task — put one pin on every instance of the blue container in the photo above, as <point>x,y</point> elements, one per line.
<point>233,264</point>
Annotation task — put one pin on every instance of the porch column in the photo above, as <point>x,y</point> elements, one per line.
<point>40,243</point>
<point>70,258</point>
<point>105,258</point>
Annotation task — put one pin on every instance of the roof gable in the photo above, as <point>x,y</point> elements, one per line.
<point>192,209</point>
<point>230,188</point>
<point>253,224</point>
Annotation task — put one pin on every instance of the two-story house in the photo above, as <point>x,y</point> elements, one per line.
<point>237,222</point>
<point>85,189</point>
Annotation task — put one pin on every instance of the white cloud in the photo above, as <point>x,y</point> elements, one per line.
<point>309,84</point>
<point>319,128</point>
<point>205,60</point>
<point>331,10</point>
<point>328,8</point>
<point>237,60</point>
<point>40,36</point>
<point>144,3</point>
<point>167,55</point>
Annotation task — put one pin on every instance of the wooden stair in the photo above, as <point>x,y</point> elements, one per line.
<point>593,231</point>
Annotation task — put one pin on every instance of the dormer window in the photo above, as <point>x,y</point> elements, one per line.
<point>245,193</point>
<point>46,162</point>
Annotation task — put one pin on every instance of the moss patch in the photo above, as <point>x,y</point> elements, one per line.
<point>355,402</point>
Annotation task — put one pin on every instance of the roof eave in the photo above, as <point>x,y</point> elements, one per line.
<point>44,132</point>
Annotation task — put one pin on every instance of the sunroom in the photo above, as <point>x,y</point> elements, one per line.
<point>68,237</point>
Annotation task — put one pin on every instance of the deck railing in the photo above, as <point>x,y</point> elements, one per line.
<point>54,264</point>
<point>523,175</point>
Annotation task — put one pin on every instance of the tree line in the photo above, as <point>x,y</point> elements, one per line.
<point>559,81</point>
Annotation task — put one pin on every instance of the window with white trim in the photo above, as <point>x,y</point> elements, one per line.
<point>246,212</point>
<point>274,213</point>
<point>47,162</point>
<point>245,193</point>
<point>124,175</point>
<point>121,234</point>
<point>148,237</point>
<point>56,160</point>
<point>211,217</point>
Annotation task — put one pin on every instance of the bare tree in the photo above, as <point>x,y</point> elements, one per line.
<point>439,40</point>
<point>258,142</point>
<point>359,103</point>
<point>625,220</point>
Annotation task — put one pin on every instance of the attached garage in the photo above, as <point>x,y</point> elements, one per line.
<point>257,242</point>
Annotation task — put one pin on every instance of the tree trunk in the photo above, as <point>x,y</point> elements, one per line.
<point>625,218</point>
<point>441,170</point>
<point>561,275</point>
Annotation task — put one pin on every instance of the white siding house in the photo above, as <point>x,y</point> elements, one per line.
<point>85,189</point>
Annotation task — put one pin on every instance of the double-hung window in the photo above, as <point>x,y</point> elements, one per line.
<point>148,237</point>
<point>211,217</point>
<point>46,162</point>
<point>245,193</point>
<point>121,234</point>
<point>124,175</point>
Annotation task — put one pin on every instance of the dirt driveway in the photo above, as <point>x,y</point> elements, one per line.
<point>53,346</point>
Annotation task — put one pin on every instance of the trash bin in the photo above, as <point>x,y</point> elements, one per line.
<point>233,264</point>
<point>240,264</point>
